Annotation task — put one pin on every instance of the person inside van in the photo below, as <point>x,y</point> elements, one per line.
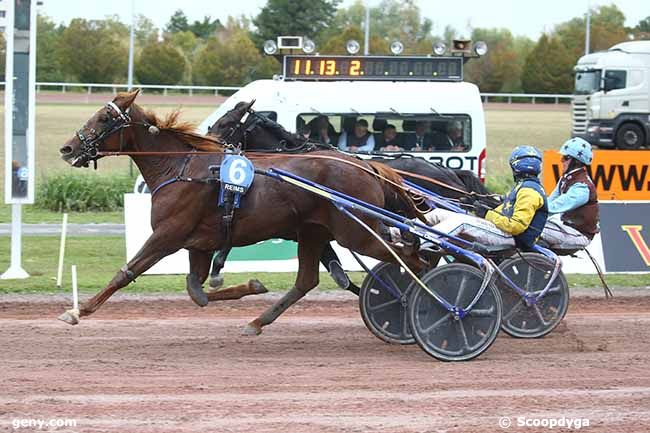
<point>421,139</point>
<point>455,136</point>
<point>573,204</point>
<point>390,141</point>
<point>359,140</point>
<point>322,131</point>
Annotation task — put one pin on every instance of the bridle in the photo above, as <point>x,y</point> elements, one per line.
<point>91,139</point>
<point>239,134</point>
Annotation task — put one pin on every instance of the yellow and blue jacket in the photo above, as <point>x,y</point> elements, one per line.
<point>523,213</point>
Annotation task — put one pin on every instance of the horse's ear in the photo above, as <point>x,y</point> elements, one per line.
<point>124,100</point>
<point>242,107</point>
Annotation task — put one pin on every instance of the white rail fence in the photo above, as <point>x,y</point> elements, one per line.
<point>190,90</point>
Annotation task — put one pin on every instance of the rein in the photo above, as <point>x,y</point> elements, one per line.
<point>267,155</point>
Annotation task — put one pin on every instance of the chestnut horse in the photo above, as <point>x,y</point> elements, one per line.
<point>185,214</point>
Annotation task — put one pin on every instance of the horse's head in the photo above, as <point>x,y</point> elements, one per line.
<point>100,133</point>
<point>229,127</point>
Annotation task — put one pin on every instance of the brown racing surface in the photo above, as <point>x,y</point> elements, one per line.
<point>144,364</point>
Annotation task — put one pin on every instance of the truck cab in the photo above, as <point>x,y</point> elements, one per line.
<point>611,105</point>
<point>417,105</point>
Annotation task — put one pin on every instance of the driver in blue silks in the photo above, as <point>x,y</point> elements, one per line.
<point>573,203</point>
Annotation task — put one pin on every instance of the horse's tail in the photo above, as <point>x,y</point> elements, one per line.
<point>397,199</point>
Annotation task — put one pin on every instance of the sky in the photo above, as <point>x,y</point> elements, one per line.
<point>521,17</point>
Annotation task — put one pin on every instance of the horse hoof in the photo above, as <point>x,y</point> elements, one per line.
<point>199,297</point>
<point>251,330</point>
<point>195,290</point>
<point>216,282</point>
<point>257,286</point>
<point>71,317</point>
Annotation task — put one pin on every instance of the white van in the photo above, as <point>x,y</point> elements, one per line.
<point>448,112</point>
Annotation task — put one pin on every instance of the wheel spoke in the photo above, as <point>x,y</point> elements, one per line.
<point>461,289</point>
<point>514,309</point>
<point>529,277</point>
<point>394,284</point>
<point>482,312</point>
<point>464,334</point>
<point>405,322</point>
<point>539,315</point>
<point>552,291</point>
<point>436,324</point>
<point>384,305</point>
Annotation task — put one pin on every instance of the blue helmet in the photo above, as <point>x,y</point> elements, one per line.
<point>525,160</point>
<point>578,148</point>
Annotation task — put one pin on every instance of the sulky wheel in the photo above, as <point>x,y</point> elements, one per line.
<point>384,311</point>
<point>531,273</point>
<point>437,331</point>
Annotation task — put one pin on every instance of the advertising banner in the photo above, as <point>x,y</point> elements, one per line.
<point>625,233</point>
<point>617,174</point>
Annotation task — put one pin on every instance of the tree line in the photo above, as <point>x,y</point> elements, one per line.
<point>211,52</point>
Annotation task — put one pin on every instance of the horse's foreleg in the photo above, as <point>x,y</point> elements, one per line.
<point>309,252</point>
<point>154,249</point>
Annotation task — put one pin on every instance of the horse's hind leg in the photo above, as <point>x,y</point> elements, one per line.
<point>252,287</point>
<point>331,261</point>
<point>199,268</point>
<point>310,248</point>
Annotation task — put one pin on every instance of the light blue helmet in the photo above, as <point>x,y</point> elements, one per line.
<point>578,148</point>
<point>525,160</point>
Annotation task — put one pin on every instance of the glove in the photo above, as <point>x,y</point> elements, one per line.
<point>466,202</point>
<point>481,209</point>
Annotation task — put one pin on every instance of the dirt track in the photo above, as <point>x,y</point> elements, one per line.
<point>144,365</point>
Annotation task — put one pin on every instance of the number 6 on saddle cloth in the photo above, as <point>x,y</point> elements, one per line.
<point>236,175</point>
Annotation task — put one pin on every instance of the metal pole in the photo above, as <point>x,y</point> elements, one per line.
<point>588,29</point>
<point>131,39</point>
<point>130,81</point>
<point>15,269</point>
<point>366,41</point>
<point>20,85</point>
<point>64,229</point>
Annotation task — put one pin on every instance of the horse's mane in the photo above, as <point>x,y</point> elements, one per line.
<point>185,131</point>
<point>280,132</point>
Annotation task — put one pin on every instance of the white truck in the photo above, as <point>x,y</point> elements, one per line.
<point>611,104</point>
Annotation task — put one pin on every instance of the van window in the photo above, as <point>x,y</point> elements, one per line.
<point>388,132</point>
<point>615,80</point>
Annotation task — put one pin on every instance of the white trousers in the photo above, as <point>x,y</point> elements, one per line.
<point>560,236</point>
<point>468,227</point>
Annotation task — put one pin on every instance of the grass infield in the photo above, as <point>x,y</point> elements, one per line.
<point>98,259</point>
